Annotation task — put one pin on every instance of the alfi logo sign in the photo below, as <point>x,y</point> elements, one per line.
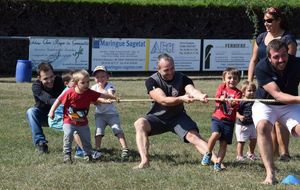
<point>163,47</point>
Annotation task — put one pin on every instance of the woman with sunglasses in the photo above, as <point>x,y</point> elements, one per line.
<point>276,28</point>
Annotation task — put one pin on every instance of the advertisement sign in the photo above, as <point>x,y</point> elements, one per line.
<point>220,54</point>
<point>63,53</point>
<point>141,54</point>
<point>298,48</point>
<point>186,53</point>
<point>119,54</point>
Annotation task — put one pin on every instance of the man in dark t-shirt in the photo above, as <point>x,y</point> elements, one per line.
<point>45,91</point>
<point>169,90</point>
<point>278,78</point>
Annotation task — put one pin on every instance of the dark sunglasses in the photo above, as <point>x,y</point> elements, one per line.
<point>270,20</point>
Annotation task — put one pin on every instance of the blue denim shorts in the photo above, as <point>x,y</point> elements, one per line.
<point>225,128</point>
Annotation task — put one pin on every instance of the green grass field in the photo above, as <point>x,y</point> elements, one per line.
<point>174,165</point>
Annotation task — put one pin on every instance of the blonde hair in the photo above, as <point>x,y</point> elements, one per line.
<point>247,84</point>
<point>233,71</point>
<point>81,74</point>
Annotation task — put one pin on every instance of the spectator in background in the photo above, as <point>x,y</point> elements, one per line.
<point>276,28</point>
<point>45,90</point>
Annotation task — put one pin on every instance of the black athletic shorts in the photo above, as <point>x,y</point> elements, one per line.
<point>179,125</point>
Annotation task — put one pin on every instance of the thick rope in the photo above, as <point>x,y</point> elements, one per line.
<point>245,100</point>
<point>226,99</point>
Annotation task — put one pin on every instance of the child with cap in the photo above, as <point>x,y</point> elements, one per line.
<point>106,113</point>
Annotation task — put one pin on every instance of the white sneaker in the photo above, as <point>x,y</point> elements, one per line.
<point>240,158</point>
<point>96,155</point>
<point>252,157</point>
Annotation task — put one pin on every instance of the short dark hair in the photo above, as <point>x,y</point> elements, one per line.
<point>67,76</point>
<point>44,66</point>
<point>276,45</point>
<point>165,56</point>
<point>232,71</point>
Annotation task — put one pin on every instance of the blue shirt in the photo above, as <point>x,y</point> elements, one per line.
<point>260,41</point>
<point>245,109</point>
<point>287,82</point>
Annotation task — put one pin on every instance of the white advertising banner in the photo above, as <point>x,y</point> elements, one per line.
<point>140,54</point>
<point>298,48</point>
<point>220,54</point>
<point>119,54</point>
<point>186,53</point>
<point>63,53</point>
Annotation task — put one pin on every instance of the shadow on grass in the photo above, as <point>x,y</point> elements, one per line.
<point>175,159</point>
<point>247,165</point>
<point>114,155</point>
<point>294,171</point>
<point>296,157</point>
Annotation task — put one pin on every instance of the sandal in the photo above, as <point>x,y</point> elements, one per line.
<point>285,158</point>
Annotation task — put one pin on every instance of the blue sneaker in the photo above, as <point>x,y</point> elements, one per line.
<point>79,153</point>
<point>206,159</point>
<point>217,167</point>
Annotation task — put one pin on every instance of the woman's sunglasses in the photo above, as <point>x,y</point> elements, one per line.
<point>270,20</point>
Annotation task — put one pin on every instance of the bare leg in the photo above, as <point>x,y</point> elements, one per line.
<point>142,128</point>
<point>252,145</point>
<point>98,140</point>
<point>240,149</point>
<point>201,145</point>
<point>78,140</point>
<point>222,151</point>
<point>122,140</point>
<point>212,141</point>
<point>264,129</point>
<point>296,131</point>
<point>283,138</point>
<point>274,142</point>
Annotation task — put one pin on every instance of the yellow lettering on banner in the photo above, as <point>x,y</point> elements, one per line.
<point>147,54</point>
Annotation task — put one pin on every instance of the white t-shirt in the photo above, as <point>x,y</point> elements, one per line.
<point>105,108</point>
